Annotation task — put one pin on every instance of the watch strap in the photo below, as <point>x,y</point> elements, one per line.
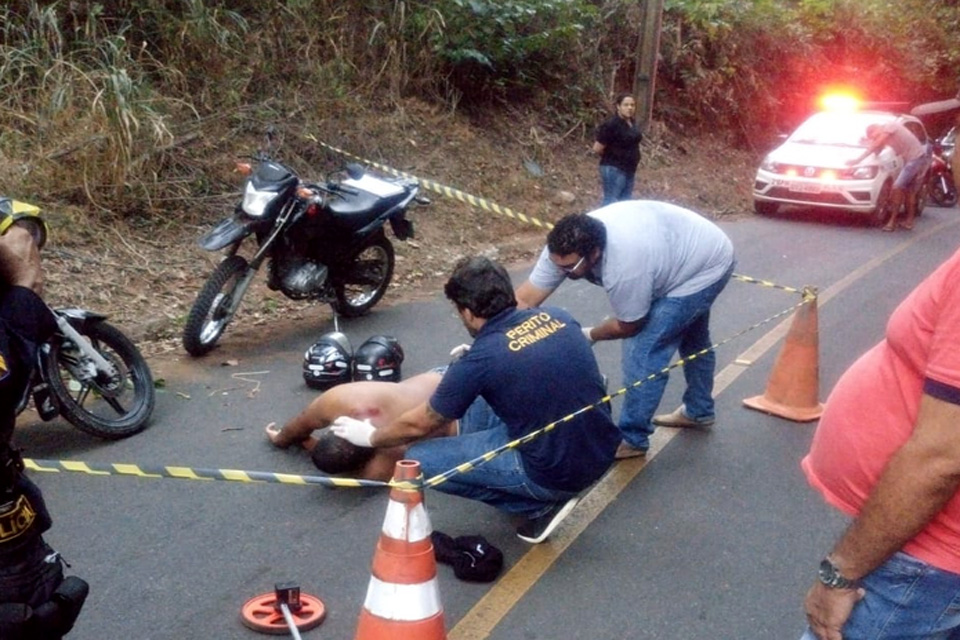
<point>831,577</point>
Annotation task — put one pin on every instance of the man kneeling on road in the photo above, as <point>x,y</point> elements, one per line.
<point>379,402</point>
<point>526,369</point>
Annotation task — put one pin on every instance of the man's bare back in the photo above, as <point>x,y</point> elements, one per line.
<point>378,402</point>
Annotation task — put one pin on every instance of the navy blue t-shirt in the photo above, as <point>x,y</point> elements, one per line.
<point>534,367</point>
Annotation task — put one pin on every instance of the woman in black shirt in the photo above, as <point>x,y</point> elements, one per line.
<point>618,145</point>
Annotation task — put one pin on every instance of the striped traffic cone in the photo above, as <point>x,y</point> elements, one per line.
<point>403,598</point>
<point>793,388</point>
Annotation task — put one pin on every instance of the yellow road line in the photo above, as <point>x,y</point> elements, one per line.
<point>479,622</point>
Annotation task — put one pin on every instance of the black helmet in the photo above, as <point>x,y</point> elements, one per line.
<point>378,358</point>
<point>329,362</point>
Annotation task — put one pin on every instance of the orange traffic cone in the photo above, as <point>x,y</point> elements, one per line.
<point>403,598</point>
<point>794,385</point>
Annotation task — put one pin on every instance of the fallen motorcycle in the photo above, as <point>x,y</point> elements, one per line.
<point>89,372</point>
<point>322,241</point>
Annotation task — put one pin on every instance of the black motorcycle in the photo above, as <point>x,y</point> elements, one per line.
<point>325,242</point>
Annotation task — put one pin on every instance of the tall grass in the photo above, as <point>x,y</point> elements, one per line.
<point>121,104</point>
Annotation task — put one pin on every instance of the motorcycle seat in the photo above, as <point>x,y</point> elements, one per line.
<point>356,210</point>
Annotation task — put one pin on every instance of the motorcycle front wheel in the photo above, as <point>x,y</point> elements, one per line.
<point>362,283</point>
<point>110,407</point>
<point>211,314</point>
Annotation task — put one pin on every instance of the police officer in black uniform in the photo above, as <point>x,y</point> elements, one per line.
<point>36,602</point>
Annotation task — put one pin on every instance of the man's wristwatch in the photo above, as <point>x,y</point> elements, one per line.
<point>831,577</point>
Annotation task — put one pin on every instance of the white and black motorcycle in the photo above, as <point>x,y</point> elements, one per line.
<point>322,241</point>
<point>89,372</point>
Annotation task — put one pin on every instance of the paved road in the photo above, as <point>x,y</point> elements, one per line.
<point>716,536</point>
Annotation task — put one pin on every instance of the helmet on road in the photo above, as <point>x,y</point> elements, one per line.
<point>378,358</point>
<point>328,362</point>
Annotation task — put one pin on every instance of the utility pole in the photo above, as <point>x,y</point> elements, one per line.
<point>651,12</point>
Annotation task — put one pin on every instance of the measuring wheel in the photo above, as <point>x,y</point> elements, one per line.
<point>277,614</point>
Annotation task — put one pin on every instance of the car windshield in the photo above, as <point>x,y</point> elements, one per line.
<point>838,129</point>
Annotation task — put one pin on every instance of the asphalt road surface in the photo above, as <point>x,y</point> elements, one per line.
<point>717,535</point>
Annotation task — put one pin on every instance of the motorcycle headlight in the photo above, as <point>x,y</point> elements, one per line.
<point>255,202</point>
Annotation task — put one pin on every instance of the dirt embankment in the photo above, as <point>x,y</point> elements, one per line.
<point>145,274</point>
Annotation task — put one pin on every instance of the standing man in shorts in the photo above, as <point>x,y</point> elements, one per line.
<point>916,159</point>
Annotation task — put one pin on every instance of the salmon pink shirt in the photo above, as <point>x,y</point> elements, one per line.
<point>873,408</point>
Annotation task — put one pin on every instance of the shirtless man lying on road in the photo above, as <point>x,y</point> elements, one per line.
<point>379,402</point>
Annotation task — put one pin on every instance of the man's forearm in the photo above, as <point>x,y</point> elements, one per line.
<point>866,154</point>
<point>918,481</point>
<point>613,329</point>
<point>530,296</point>
<point>414,424</point>
<point>904,500</point>
<point>298,429</point>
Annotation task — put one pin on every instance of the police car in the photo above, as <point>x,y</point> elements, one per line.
<point>809,169</point>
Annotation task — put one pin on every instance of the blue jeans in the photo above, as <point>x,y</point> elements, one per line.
<point>501,482</point>
<point>906,598</point>
<point>617,184</point>
<point>673,324</point>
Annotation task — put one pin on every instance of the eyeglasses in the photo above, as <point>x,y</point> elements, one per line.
<point>571,269</point>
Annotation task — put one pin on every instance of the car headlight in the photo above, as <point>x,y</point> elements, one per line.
<point>768,165</point>
<point>255,202</point>
<point>868,172</point>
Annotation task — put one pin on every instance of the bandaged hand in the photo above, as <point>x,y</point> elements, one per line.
<point>459,351</point>
<point>358,432</point>
<point>586,334</point>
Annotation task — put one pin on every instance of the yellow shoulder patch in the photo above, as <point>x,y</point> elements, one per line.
<point>16,519</point>
<point>4,370</point>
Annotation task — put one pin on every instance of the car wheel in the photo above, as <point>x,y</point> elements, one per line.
<point>881,212</point>
<point>764,208</point>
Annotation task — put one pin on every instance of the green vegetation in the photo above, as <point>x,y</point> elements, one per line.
<point>121,104</point>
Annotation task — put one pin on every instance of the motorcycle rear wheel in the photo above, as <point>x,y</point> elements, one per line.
<point>112,408</point>
<point>922,197</point>
<point>941,195</point>
<point>364,281</point>
<point>209,316</point>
